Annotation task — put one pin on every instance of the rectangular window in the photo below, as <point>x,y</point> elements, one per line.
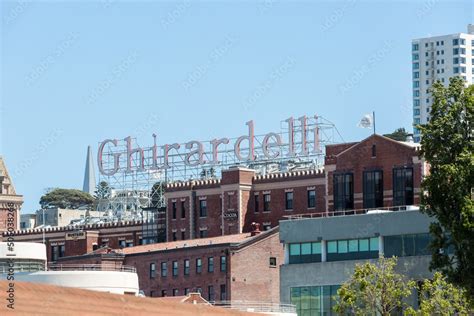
<point>288,200</point>
<point>455,51</point>
<point>373,189</point>
<point>223,263</point>
<point>455,41</point>
<point>223,292</point>
<point>175,292</point>
<point>173,210</point>
<point>186,291</point>
<point>202,208</point>
<point>186,266</point>
<point>415,56</point>
<point>311,198</point>
<point>54,253</point>
<point>183,235</point>
<point>203,233</point>
<point>62,250</point>
<point>152,270</point>
<point>210,264</point>
<point>256,206</point>
<point>343,191</point>
<point>266,202</point>
<point>352,249</point>
<point>415,47</point>
<point>163,293</point>
<point>164,269</point>
<point>416,65</point>
<point>198,265</point>
<point>183,209</point>
<point>175,268</point>
<point>407,245</point>
<point>416,75</point>
<point>210,293</point>
<point>403,186</point>
<point>416,84</point>
<point>273,262</point>
<point>174,237</point>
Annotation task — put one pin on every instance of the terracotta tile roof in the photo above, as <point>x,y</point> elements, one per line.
<point>237,238</point>
<point>41,299</point>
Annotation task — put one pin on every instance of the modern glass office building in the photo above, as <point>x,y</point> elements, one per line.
<point>321,253</point>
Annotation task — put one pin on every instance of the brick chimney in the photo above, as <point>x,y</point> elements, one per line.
<point>255,229</point>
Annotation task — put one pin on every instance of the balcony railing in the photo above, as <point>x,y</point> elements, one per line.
<point>354,212</point>
<point>257,307</point>
<point>90,267</point>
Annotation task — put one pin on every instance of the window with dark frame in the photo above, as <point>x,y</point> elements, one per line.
<point>173,210</point>
<point>223,263</point>
<point>198,265</point>
<point>257,207</point>
<point>174,237</point>
<point>175,292</point>
<point>343,191</point>
<point>273,261</point>
<point>202,208</point>
<point>62,250</point>
<point>210,293</point>
<point>186,266</point>
<point>289,200</point>
<point>163,293</point>
<point>223,292</point>
<point>210,264</point>
<point>164,269</point>
<point>311,198</point>
<point>266,202</point>
<point>203,233</point>
<point>373,189</point>
<point>175,268</point>
<point>54,253</point>
<point>152,270</point>
<point>183,235</point>
<point>403,186</point>
<point>183,209</point>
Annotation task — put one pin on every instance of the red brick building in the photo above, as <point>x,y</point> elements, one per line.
<point>72,241</point>
<point>366,174</point>
<point>232,267</point>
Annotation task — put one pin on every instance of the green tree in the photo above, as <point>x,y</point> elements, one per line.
<point>399,134</point>
<point>66,198</point>
<point>103,191</point>
<point>439,297</point>
<point>447,145</point>
<point>373,289</point>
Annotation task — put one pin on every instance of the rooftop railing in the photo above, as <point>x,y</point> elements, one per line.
<point>257,307</point>
<point>90,267</point>
<point>377,210</point>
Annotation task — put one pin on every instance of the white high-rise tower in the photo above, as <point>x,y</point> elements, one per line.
<point>89,174</point>
<point>439,58</point>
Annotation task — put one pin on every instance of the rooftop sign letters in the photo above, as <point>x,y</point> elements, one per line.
<point>300,137</point>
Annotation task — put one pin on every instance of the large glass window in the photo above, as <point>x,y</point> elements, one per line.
<point>198,265</point>
<point>373,189</point>
<point>314,300</point>
<point>352,249</point>
<point>407,245</point>
<point>223,263</point>
<point>343,191</point>
<point>288,200</point>
<point>311,198</point>
<point>305,252</point>
<point>403,186</point>
<point>202,208</point>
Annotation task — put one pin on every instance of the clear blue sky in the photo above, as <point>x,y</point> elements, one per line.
<point>75,73</point>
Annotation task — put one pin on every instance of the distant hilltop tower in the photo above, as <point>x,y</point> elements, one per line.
<point>89,174</point>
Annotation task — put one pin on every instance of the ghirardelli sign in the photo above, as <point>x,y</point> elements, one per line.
<point>299,139</point>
